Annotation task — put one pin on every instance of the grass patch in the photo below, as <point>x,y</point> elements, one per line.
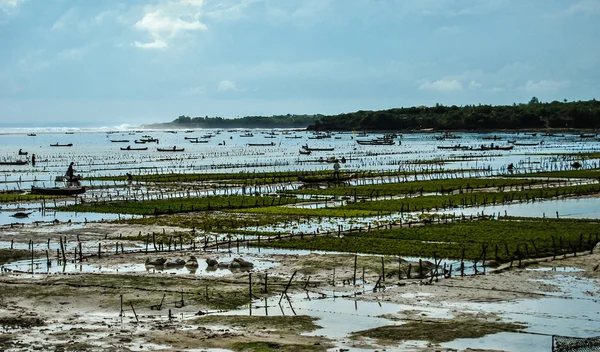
<point>437,331</point>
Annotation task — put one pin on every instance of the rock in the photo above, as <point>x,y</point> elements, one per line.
<point>193,262</point>
<point>156,262</point>
<point>176,262</point>
<point>234,265</point>
<point>243,263</point>
<point>212,262</point>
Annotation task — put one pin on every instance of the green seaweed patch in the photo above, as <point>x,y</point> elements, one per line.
<point>178,205</point>
<point>265,346</point>
<point>8,255</point>
<point>283,324</point>
<point>437,331</point>
<point>589,174</point>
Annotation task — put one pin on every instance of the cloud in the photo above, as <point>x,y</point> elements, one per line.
<point>227,86</point>
<point>156,44</point>
<point>10,7</point>
<point>474,85</point>
<point>167,20</point>
<point>442,85</point>
<point>545,86</point>
<point>63,19</point>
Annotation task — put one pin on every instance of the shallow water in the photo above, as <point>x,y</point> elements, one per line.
<point>571,312</point>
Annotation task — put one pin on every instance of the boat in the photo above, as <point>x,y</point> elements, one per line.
<point>120,140</point>
<point>247,135</point>
<point>190,138</point>
<point>454,147</point>
<point>526,144</point>
<point>174,149</point>
<point>493,138</point>
<point>58,191</point>
<point>588,135</point>
<point>31,134</point>
<point>22,152</point>
<point>294,137</point>
<point>260,144</point>
<point>376,142</point>
<point>447,135</point>
<point>198,141</point>
<point>61,145</point>
<point>306,147</point>
<point>494,147</point>
<point>16,162</point>
<point>139,142</point>
<point>322,179</point>
<point>305,152</point>
<point>138,148</point>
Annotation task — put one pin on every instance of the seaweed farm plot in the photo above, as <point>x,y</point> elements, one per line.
<point>498,240</point>
<point>238,243</point>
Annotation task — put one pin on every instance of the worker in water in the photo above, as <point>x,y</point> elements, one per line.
<point>336,169</point>
<point>70,174</point>
<point>33,160</point>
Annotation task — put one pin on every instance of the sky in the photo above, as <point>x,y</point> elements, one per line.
<point>113,62</point>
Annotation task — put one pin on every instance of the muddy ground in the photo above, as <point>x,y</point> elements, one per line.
<point>122,311</point>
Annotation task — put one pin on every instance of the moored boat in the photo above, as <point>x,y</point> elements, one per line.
<point>174,149</point>
<point>61,145</point>
<point>57,191</point>
<point>130,148</point>
<point>16,162</point>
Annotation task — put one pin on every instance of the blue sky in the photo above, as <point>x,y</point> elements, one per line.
<point>110,62</point>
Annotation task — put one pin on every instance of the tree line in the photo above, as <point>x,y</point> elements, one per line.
<point>533,115</point>
<point>275,121</point>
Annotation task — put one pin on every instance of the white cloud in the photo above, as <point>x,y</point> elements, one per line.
<point>442,85</point>
<point>474,85</point>
<point>227,86</point>
<point>10,6</point>
<point>156,44</point>
<point>166,20</point>
<point>63,19</point>
<point>224,11</point>
<point>545,85</point>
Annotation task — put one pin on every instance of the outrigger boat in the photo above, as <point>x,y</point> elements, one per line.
<point>57,191</point>
<point>170,149</point>
<point>16,162</point>
<point>129,148</point>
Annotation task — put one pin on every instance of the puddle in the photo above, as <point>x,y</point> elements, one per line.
<point>41,267</point>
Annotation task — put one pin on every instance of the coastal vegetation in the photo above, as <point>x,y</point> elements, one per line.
<point>532,115</point>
